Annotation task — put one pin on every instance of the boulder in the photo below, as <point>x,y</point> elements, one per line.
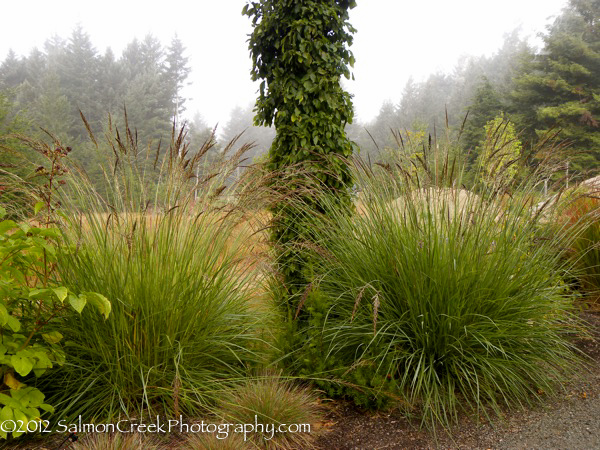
<point>444,202</point>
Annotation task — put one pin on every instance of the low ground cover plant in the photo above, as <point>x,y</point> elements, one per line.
<point>117,441</point>
<point>273,401</point>
<point>211,441</point>
<point>268,411</point>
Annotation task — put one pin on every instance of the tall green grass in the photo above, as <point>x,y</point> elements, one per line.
<point>440,299</point>
<point>165,247</point>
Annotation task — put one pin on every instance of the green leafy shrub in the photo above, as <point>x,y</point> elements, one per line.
<point>27,346</point>
<point>30,308</point>
<point>441,300</point>
<point>32,303</point>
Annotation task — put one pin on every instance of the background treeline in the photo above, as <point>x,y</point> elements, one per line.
<point>50,86</point>
<point>46,90</point>
<point>481,85</point>
<point>555,86</point>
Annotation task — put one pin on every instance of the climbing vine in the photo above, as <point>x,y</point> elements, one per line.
<point>300,51</point>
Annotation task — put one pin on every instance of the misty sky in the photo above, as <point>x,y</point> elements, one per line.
<point>395,39</point>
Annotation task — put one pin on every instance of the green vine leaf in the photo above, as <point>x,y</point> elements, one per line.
<point>4,316</point>
<point>53,337</point>
<point>13,323</point>
<point>100,302</point>
<point>300,51</point>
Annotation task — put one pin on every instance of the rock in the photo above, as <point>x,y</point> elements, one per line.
<point>555,204</point>
<point>444,202</point>
<point>592,184</point>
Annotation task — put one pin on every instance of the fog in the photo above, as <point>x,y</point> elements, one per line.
<point>395,40</point>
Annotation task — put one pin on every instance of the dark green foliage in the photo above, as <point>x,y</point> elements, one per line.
<point>485,106</point>
<point>562,87</point>
<point>333,373</point>
<point>300,52</point>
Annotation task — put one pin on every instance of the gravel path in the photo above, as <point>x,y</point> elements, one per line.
<point>570,420</point>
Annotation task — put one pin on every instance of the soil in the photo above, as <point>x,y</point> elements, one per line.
<point>568,420</point>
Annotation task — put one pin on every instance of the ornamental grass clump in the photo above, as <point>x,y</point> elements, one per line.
<point>163,243</point>
<point>284,415</point>
<point>436,299</point>
<point>117,441</point>
<point>214,441</point>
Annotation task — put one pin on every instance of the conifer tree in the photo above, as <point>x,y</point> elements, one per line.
<point>485,106</point>
<point>563,88</point>
<point>78,73</point>
<point>177,72</point>
<point>12,71</point>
